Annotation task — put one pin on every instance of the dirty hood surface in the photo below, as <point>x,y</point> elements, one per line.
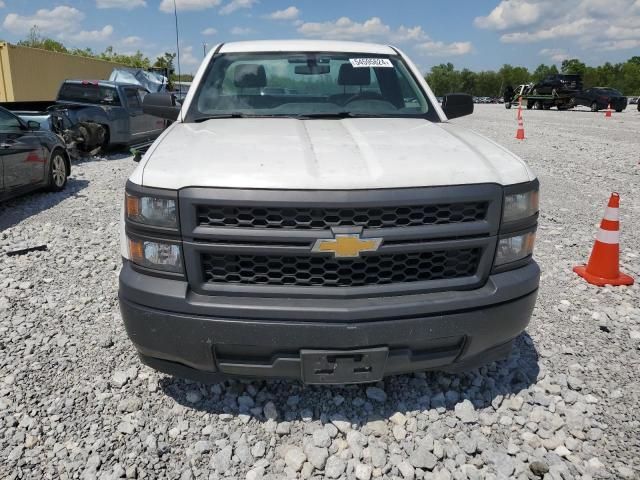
<point>327,154</point>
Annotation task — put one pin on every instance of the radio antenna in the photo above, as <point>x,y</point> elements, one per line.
<point>175,14</point>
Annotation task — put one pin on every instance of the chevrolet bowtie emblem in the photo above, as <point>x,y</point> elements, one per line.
<point>346,245</point>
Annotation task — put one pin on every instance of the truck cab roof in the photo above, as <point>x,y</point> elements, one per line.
<point>100,83</point>
<point>306,46</point>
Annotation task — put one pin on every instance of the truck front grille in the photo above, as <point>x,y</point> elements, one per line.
<point>260,242</point>
<point>324,218</point>
<point>324,271</point>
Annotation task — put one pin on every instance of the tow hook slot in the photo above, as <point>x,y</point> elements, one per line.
<point>345,366</point>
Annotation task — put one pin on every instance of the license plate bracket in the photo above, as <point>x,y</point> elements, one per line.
<point>343,366</point>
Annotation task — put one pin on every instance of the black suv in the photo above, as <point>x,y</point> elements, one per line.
<point>598,98</point>
<point>558,84</point>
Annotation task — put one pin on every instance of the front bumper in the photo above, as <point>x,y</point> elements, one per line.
<point>205,337</point>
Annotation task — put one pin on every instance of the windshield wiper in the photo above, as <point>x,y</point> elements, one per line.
<point>304,116</point>
<point>340,115</point>
<point>221,115</point>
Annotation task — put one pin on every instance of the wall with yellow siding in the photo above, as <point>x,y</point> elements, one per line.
<point>31,74</point>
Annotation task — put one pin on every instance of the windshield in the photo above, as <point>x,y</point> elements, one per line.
<point>308,85</point>
<point>88,92</point>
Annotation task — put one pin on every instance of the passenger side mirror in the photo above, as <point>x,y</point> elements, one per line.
<point>33,125</point>
<point>161,105</point>
<point>457,105</point>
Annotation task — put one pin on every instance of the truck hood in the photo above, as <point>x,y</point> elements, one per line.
<point>364,153</point>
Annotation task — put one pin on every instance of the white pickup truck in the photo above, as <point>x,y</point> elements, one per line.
<point>312,214</point>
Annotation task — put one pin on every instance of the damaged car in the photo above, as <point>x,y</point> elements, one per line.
<point>31,158</point>
<point>94,115</point>
<point>81,139</point>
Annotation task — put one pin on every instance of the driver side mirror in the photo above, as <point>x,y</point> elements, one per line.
<point>457,105</point>
<point>33,125</point>
<point>161,105</point>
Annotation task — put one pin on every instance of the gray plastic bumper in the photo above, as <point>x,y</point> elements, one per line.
<point>323,340</point>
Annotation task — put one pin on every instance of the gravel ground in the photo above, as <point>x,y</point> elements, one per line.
<point>76,403</point>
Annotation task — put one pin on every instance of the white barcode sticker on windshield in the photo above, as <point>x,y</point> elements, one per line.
<point>371,62</point>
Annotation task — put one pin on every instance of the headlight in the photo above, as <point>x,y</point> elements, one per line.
<point>518,206</point>
<point>153,211</point>
<point>156,255</point>
<point>514,248</point>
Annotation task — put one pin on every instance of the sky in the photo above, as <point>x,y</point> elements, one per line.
<point>476,34</point>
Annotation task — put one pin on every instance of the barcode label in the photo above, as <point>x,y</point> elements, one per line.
<point>371,62</point>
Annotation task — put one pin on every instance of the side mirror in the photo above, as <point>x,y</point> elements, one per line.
<point>457,105</point>
<point>137,155</point>
<point>161,105</point>
<point>33,125</point>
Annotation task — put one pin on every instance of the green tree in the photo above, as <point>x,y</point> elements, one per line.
<point>185,77</point>
<point>35,40</point>
<point>542,71</point>
<point>83,52</point>
<point>137,60</point>
<point>510,75</point>
<point>574,66</point>
<point>444,78</point>
<point>165,61</point>
<point>468,81</point>
<point>630,77</point>
<point>488,84</point>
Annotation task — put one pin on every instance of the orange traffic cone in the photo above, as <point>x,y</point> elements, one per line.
<point>520,131</point>
<point>603,267</point>
<point>608,112</point>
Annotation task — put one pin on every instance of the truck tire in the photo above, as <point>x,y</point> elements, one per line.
<point>546,106</point>
<point>105,142</point>
<point>639,105</point>
<point>58,171</point>
<point>594,107</point>
<point>93,136</point>
<point>529,105</point>
<point>537,105</point>
<point>507,105</point>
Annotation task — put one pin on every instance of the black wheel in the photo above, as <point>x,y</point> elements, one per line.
<point>594,107</point>
<point>619,110</point>
<point>104,145</point>
<point>537,105</point>
<point>58,172</point>
<point>546,106</point>
<point>507,105</point>
<point>529,105</point>
<point>639,105</point>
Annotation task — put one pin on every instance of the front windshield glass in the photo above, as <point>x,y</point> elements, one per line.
<point>309,85</point>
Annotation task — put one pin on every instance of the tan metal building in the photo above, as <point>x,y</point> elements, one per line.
<point>31,74</point>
